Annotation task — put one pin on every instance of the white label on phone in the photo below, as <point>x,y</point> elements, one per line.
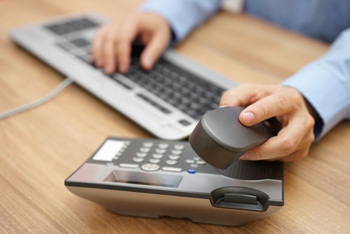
<point>108,150</point>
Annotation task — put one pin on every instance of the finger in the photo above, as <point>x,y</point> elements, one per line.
<point>300,154</point>
<point>243,95</point>
<point>128,33</point>
<point>154,49</point>
<point>285,143</point>
<point>145,38</point>
<point>109,49</point>
<point>276,104</point>
<point>302,150</point>
<point>97,46</point>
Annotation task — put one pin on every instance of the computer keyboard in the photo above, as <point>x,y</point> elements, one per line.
<point>168,100</point>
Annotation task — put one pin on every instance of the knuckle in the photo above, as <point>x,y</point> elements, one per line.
<point>297,99</point>
<point>310,139</point>
<point>292,96</point>
<point>123,49</point>
<point>310,122</point>
<point>108,52</point>
<point>244,86</point>
<point>223,99</point>
<point>262,110</point>
<point>303,153</point>
<point>258,155</point>
<point>281,102</point>
<point>226,97</point>
<point>288,146</point>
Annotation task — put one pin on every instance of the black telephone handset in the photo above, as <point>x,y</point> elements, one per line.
<point>220,139</point>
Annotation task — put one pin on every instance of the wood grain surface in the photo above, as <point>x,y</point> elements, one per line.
<point>41,147</point>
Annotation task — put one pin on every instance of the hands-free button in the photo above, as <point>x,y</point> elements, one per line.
<point>150,167</point>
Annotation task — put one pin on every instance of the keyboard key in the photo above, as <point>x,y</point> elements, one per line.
<point>80,42</point>
<point>154,103</point>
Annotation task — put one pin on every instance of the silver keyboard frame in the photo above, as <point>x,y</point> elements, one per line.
<point>41,43</point>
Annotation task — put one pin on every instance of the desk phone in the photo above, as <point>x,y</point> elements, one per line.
<point>161,178</point>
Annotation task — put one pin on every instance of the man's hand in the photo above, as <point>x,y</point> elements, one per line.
<point>111,49</point>
<point>262,102</point>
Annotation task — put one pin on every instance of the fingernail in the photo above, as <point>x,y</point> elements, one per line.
<point>122,68</point>
<point>108,69</point>
<point>248,117</point>
<point>245,156</point>
<point>147,62</point>
<point>99,62</point>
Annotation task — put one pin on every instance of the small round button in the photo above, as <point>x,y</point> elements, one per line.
<point>157,156</point>
<point>191,171</point>
<point>140,154</point>
<point>137,159</point>
<point>147,144</point>
<point>171,162</point>
<point>163,145</point>
<point>200,162</point>
<point>177,152</point>
<point>154,160</point>
<point>144,150</point>
<point>174,157</point>
<point>179,147</point>
<point>160,151</point>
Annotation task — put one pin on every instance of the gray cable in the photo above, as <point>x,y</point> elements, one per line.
<point>39,101</point>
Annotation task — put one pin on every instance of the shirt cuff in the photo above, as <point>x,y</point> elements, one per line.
<point>182,16</point>
<point>328,96</point>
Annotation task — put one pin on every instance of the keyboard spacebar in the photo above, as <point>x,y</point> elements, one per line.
<point>154,103</point>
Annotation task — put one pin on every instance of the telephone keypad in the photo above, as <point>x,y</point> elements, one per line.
<point>151,155</point>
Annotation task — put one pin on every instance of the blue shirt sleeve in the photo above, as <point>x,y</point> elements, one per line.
<point>325,83</point>
<point>182,15</point>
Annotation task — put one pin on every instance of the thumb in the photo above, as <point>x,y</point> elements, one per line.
<point>247,118</point>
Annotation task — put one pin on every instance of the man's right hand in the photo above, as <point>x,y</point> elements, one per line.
<point>111,48</point>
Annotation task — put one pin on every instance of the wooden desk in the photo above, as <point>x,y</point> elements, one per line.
<point>41,147</point>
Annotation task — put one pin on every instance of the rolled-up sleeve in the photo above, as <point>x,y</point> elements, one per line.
<point>325,83</point>
<point>182,15</point>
